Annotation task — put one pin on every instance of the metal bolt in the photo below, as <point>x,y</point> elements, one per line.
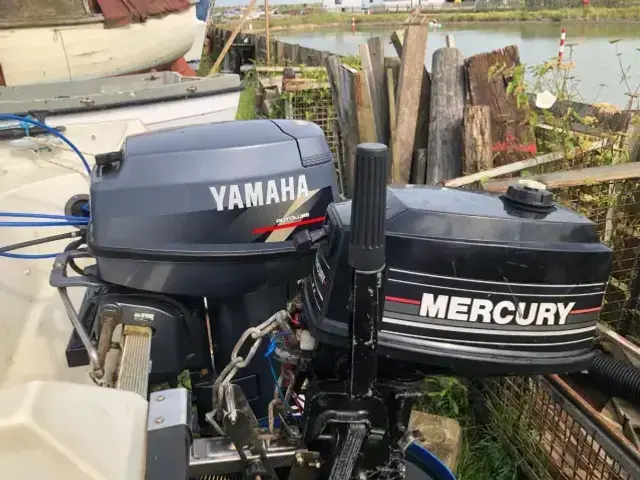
<point>300,460</point>
<point>318,464</point>
<point>160,398</point>
<point>159,420</point>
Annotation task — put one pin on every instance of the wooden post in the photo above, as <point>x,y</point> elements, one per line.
<point>489,75</point>
<point>373,97</point>
<point>364,104</point>
<point>419,166</point>
<point>409,88</point>
<point>392,120</point>
<point>268,33</point>
<point>478,154</point>
<point>393,64</point>
<point>233,36</point>
<point>280,52</point>
<point>422,125</point>
<point>342,81</point>
<point>444,156</point>
<point>376,54</point>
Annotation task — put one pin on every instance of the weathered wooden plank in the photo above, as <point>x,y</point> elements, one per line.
<point>268,44</point>
<point>444,153</point>
<point>574,178</point>
<point>518,166</point>
<point>393,174</point>
<point>301,84</point>
<point>393,63</point>
<point>373,96</point>
<point>280,52</point>
<point>489,75</point>
<point>261,48</point>
<point>306,55</point>
<point>291,53</point>
<point>342,81</point>
<point>273,53</point>
<point>278,69</point>
<point>364,105</point>
<point>424,101</point>
<point>419,166</point>
<point>607,116</point>
<point>628,346</point>
<point>409,89</point>
<point>478,154</point>
<point>376,53</point>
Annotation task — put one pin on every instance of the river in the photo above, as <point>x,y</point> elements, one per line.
<point>597,75</point>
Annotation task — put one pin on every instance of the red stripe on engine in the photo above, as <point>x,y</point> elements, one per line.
<point>271,228</point>
<point>403,300</point>
<point>585,310</point>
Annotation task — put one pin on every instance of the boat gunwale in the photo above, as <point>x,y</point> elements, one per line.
<point>51,22</point>
<point>133,102</point>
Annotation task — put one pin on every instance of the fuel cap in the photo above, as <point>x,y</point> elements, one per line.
<point>531,194</point>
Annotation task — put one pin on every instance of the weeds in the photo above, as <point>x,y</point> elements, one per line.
<point>482,456</point>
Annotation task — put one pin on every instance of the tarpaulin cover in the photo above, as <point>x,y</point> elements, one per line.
<point>118,13</point>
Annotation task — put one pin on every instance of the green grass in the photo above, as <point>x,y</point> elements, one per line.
<point>589,14</point>
<point>483,456</point>
<point>246,107</point>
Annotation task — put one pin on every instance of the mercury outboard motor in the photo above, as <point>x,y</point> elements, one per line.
<point>477,284</point>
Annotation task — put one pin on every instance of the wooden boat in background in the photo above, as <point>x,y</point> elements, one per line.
<point>45,41</point>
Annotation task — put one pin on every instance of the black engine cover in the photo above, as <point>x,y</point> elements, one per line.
<point>476,284</point>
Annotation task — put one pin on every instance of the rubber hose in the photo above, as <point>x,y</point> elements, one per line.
<point>618,379</point>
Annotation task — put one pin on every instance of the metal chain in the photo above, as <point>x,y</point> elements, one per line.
<point>255,335</point>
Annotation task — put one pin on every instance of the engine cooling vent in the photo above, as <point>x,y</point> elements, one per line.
<point>233,476</point>
<point>312,160</point>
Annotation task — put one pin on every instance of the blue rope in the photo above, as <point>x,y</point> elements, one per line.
<point>52,131</point>
<point>267,355</point>
<point>59,220</point>
<point>45,224</point>
<point>29,256</point>
<point>50,216</point>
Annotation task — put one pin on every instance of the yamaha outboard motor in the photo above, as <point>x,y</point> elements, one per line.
<point>301,328</point>
<point>191,230</point>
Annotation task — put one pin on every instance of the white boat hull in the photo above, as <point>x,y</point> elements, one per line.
<point>221,107</point>
<point>53,54</point>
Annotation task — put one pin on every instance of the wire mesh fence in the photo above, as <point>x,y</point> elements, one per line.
<point>614,207</point>
<point>316,105</point>
<point>552,436</point>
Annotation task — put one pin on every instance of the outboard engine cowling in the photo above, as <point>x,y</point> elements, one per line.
<point>206,211</point>
<point>478,284</point>
<point>209,210</point>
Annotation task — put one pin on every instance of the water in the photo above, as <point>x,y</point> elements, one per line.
<point>596,77</point>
